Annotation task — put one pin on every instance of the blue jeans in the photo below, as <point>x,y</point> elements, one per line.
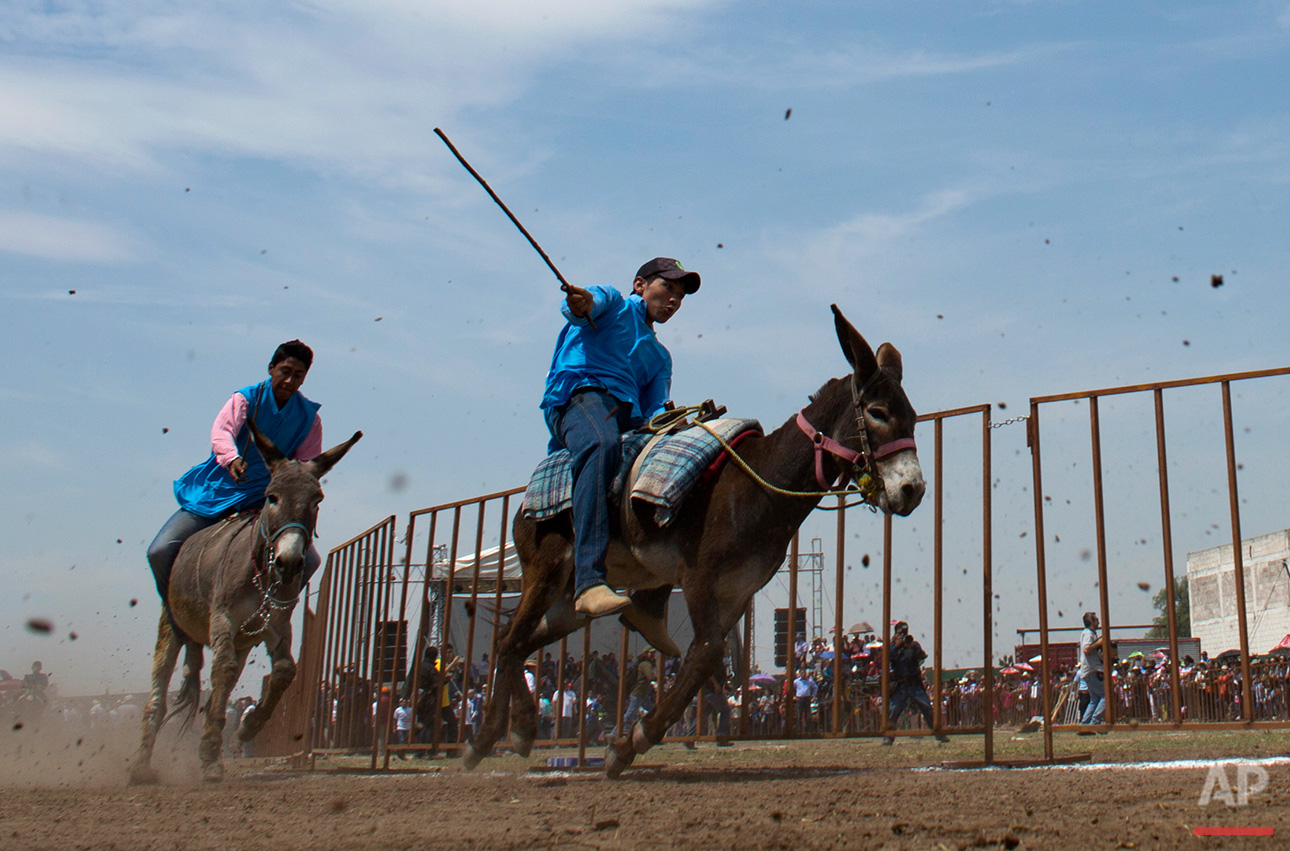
<point>165,547</point>
<point>635,705</point>
<point>1096,700</point>
<point>590,426</point>
<point>180,527</point>
<point>900,698</point>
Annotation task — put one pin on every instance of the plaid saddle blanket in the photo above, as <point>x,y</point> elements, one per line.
<point>668,473</point>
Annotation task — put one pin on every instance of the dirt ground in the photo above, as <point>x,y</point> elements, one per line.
<point>818,794</point>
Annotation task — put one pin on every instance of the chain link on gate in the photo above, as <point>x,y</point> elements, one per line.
<point>1010,421</point>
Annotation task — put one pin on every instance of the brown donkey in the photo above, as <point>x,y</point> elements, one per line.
<point>234,585</point>
<point>728,539</point>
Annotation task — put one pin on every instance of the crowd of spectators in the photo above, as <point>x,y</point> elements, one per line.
<point>1139,690</point>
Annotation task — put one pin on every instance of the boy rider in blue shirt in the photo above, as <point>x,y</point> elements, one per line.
<point>608,376</point>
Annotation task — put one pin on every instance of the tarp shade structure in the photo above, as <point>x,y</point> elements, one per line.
<point>488,562</point>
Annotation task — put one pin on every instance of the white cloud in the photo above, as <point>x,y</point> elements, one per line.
<point>834,253</point>
<point>54,238</point>
<point>796,67</point>
<point>352,85</point>
<point>550,22</point>
<point>879,228</point>
<point>867,66</point>
<point>41,456</point>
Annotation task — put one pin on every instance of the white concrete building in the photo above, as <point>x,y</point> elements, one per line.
<point>1211,582</point>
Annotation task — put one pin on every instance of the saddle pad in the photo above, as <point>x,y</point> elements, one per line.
<point>669,473</point>
<point>676,463</point>
<point>550,490</point>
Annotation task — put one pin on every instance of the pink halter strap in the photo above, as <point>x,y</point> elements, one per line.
<point>823,443</point>
<point>893,447</point>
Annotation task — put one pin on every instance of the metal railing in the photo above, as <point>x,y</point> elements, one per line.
<point>372,608</point>
<point>1174,693</point>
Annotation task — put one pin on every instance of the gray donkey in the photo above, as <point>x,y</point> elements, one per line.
<point>235,585</point>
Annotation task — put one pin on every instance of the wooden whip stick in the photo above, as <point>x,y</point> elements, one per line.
<point>564,285</point>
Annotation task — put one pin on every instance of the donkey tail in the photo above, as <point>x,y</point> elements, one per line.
<point>186,701</point>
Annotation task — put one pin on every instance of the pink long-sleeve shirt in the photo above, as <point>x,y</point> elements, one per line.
<point>229,422</point>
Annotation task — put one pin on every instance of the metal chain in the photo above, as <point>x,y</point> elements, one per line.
<point>1006,422</point>
<point>268,603</point>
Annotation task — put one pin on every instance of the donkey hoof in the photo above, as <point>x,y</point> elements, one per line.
<point>471,758</point>
<point>522,745</point>
<point>143,775</point>
<point>213,772</point>
<point>248,729</point>
<point>615,762</point>
<point>640,740</point>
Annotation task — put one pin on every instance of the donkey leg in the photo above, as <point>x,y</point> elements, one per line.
<point>226,667</point>
<point>523,715</point>
<point>510,695</point>
<point>511,699</point>
<point>163,667</point>
<point>701,660</point>
<point>560,620</point>
<point>283,672</point>
<point>547,556</point>
<point>495,717</point>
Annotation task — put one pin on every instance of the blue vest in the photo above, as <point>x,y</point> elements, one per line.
<point>207,490</point>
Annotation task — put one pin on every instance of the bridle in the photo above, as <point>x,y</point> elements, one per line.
<point>269,602</point>
<point>863,464</point>
<point>270,551</point>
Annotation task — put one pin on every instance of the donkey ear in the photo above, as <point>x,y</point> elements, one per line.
<point>271,454</point>
<point>319,466</point>
<point>889,360</point>
<point>854,346</point>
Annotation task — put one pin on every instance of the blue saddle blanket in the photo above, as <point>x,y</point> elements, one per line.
<point>668,473</point>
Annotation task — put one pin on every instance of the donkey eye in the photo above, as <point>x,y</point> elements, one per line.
<point>878,413</point>
<point>272,499</point>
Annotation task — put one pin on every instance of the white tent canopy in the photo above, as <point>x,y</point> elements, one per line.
<point>464,570</point>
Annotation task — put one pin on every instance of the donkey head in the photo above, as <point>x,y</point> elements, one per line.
<point>291,500</point>
<point>884,419</point>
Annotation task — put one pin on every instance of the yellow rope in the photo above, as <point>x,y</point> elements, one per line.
<point>665,420</point>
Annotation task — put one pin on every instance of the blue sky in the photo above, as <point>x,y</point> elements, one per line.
<point>1025,197</point>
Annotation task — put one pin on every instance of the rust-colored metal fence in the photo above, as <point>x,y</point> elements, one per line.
<point>287,731</point>
<point>354,657</point>
<point>1223,699</point>
<point>396,657</point>
<point>405,647</point>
